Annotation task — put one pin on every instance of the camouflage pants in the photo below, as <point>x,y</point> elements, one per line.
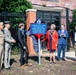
<point>75,50</point>
<point>1,56</point>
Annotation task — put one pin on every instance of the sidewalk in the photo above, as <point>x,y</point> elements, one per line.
<point>70,54</point>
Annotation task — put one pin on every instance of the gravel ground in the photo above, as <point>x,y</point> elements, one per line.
<point>60,68</point>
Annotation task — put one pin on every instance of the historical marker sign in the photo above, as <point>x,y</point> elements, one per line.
<point>38,28</point>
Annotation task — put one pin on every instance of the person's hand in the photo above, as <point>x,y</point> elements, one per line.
<point>24,47</point>
<point>56,47</point>
<point>13,41</point>
<point>42,40</point>
<point>64,35</point>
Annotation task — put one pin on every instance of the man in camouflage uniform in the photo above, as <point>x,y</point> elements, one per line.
<point>1,45</point>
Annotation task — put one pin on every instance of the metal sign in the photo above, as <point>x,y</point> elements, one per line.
<point>38,28</point>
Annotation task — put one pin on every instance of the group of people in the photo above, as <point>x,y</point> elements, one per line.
<point>6,42</point>
<point>55,41</point>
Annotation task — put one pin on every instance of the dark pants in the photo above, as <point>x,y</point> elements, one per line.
<point>24,56</point>
<point>62,48</point>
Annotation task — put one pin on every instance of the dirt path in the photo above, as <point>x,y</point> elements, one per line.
<point>60,68</point>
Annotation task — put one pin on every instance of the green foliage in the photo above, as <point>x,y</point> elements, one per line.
<point>16,20</point>
<point>14,5</point>
<point>73,23</point>
<point>15,50</point>
<point>17,6</point>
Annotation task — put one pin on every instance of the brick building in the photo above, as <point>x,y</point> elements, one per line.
<point>54,11</point>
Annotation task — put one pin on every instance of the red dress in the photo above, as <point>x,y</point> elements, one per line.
<point>52,42</point>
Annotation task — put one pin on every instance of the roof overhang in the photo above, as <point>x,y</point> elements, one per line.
<point>55,9</point>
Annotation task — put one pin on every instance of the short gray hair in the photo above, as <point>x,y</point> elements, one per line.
<point>53,25</point>
<point>1,23</point>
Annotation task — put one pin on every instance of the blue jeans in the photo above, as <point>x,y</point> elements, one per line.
<point>61,48</point>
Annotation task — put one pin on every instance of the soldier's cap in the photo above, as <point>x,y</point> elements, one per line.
<point>7,22</point>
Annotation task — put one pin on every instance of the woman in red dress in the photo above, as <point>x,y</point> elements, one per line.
<point>52,42</point>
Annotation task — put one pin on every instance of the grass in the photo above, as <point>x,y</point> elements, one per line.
<point>15,50</point>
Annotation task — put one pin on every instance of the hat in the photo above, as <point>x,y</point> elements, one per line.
<point>7,22</point>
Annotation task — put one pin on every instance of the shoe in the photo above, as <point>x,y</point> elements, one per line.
<point>64,59</point>
<point>28,64</point>
<point>50,62</point>
<point>0,71</point>
<point>22,67</point>
<point>58,59</point>
<point>54,62</point>
<point>7,68</point>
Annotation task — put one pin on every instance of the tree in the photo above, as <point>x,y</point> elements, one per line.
<point>73,23</point>
<point>14,5</point>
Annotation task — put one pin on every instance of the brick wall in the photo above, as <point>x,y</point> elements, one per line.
<point>65,3</point>
<point>71,4</point>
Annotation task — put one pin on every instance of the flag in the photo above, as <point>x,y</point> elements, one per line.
<point>38,21</point>
<point>34,38</point>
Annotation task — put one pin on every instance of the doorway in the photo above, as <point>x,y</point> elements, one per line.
<point>49,17</point>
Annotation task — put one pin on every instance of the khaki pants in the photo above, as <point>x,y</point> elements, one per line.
<point>75,46</point>
<point>7,56</point>
<point>75,50</point>
<point>1,56</point>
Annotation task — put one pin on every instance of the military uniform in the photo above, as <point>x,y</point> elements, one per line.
<point>1,48</point>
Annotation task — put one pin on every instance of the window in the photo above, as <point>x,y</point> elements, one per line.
<point>50,17</point>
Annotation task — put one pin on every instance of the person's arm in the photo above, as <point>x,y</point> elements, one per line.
<point>56,38</point>
<point>6,38</point>
<point>65,34</point>
<point>59,34</point>
<point>21,41</point>
<point>45,37</point>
